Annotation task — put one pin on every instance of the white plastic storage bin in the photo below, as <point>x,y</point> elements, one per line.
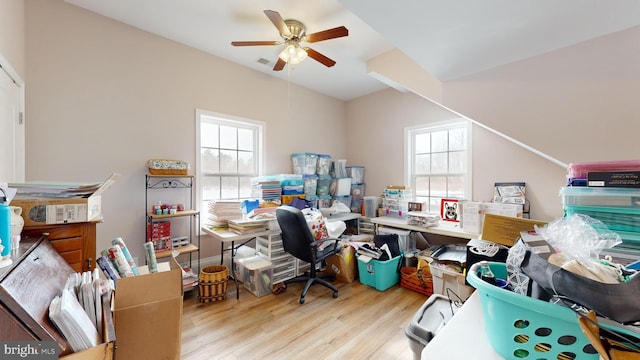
<point>406,243</point>
<point>600,196</point>
<point>323,185</point>
<point>346,200</point>
<point>304,163</point>
<point>324,201</point>
<point>340,186</point>
<point>323,166</point>
<point>356,173</point>
<point>258,275</point>
<point>371,205</point>
<point>310,184</point>
<point>242,252</point>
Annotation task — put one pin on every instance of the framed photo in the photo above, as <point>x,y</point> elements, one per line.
<point>450,210</point>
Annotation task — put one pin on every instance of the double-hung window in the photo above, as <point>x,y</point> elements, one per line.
<point>230,153</point>
<point>438,162</point>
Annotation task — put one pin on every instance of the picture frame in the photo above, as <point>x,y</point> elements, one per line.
<point>450,210</point>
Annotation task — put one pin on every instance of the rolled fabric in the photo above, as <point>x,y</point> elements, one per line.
<point>127,254</point>
<point>117,256</point>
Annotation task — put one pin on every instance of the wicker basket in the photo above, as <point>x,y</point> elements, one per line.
<point>168,167</point>
<point>417,279</point>
<point>213,283</point>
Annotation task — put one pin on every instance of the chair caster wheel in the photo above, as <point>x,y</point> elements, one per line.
<point>301,300</point>
<point>335,295</point>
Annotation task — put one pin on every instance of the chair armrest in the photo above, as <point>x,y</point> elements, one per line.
<point>335,240</point>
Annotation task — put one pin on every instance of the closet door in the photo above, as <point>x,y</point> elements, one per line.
<point>11,131</point>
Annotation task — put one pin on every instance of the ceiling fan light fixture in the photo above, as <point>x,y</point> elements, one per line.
<point>293,54</point>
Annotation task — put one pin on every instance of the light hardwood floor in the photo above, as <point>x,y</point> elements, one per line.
<point>362,323</point>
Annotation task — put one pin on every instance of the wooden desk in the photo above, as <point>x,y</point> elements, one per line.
<point>445,228</point>
<point>227,236</point>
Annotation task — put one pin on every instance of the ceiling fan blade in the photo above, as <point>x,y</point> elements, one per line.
<point>279,65</point>
<point>319,57</point>
<point>327,34</point>
<point>278,21</point>
<point>254,43</point>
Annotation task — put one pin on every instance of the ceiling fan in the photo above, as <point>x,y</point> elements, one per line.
<point>293,32</point>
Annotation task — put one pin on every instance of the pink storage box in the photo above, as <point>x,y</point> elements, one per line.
<point>580,170</point>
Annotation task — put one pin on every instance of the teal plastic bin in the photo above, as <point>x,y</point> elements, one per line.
<point>379,274</point>
<point>518,326</point>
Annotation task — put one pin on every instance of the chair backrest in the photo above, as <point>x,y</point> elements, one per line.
<point>296,236</point>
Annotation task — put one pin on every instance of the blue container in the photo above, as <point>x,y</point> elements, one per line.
<point>379,274</point>
<point>5,225</point>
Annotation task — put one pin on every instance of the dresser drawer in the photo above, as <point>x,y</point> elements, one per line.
<point>65,245</point>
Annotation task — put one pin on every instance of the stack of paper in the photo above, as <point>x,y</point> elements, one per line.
<point>248,226</point>
<point>422,218</point>
<point>220,212</point>
<point>78,311</point>
<point>267,190</point>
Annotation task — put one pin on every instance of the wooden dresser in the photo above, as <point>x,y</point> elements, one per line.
<point>27,286</point>
<point>76,242</point>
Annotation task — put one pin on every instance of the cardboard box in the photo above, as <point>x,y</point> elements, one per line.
<point>148,313</point>
<point>42,210</point>
<point>473,213</point>
<point>506,230</point>
<point>343,265</point>
<point>449,283</point>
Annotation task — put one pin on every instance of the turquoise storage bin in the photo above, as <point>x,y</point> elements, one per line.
<point>379,274</point>
<point>518,326</point>
<point>615,217</point>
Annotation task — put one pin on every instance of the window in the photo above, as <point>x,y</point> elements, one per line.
<point>438,158</point>
<point>230,155</point>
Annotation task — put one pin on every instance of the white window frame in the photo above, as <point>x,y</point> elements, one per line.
<point>258,126</point>
<point>409,165</point>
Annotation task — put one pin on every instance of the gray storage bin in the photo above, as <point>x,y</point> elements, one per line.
<point>429,319</point>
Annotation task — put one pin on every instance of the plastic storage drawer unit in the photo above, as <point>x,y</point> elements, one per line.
<point>427,321</point>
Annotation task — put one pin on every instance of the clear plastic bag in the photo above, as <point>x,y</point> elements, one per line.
<point>579,236</point>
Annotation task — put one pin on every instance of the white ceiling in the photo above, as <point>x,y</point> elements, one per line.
<point>449,39</point>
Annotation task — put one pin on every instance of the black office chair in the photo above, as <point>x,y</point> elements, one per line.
<point>299,242</point>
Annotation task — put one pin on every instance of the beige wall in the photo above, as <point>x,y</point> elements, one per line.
<point>382,117</point>
<point>575,104</point>
<point>12,44</point>
<point>104,97</point>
